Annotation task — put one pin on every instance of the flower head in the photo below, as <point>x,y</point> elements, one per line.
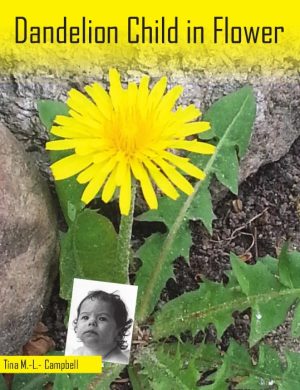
<point>126,134</point>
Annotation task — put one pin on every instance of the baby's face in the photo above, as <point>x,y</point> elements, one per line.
<point>96,325</point>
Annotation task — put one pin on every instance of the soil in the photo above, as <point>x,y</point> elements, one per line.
<point>255,223</point>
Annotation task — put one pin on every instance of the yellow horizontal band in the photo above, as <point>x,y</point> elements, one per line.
<point>50,364</point>
<point>203,33</point>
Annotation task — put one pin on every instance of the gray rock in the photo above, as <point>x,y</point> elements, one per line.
<point>28,244</point>
<point>277,123</point>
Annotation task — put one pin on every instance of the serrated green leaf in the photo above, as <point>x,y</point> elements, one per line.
<point>226,168</point>
<point>255,278</point>
<point>67,265</point>
<point>289,267</point>
<point>109,373</point>
<point>2,383</point>
<point>49,109</point>
<point>184,360</point>
<point>178,366</point>
<point>149,253</point>
<point>234,115</point>
<point>232,119</point>
<point>69,191</point>
<point>296,322</point>
<point>139,381</point>
<point>82,381</point>
<point>266,316</point>
<point>269,373</point>
<point>55,353</point>
<point>271,263</point>
<point>206,356</point>
<point>170,369</point>
<point>291,377</point>
<point>62,382</point>
<point>214,303</point>
<point>204,214</point>
<point>166,211</point>
<point>94,248</point>
<point>153,250</point>
<point>271,310</point>
<point>207,135</point>
<point>30,381</point>
<point>253,377</point>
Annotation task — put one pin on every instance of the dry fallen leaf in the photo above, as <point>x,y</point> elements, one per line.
<point>40,343</point>
<point>237,205</point>
<point>40,328</point>
<point>246,257</point>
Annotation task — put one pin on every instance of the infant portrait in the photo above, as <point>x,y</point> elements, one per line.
<point>101,320</point>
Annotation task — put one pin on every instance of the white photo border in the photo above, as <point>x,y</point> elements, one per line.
<point>81,288</point>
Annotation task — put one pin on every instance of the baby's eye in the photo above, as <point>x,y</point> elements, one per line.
<point>102,318</point>
<point>85,317</point>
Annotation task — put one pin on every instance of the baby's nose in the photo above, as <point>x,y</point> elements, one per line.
<point>92,322</point>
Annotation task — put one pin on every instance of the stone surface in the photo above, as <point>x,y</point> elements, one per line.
<point>28,244</point>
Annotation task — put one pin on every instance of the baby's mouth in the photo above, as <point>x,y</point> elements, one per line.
<point>90,331</point>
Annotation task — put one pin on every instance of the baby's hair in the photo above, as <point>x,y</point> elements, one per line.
<point>119,310</point>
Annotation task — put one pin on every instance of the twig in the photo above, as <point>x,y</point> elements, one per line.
<point>233,234</point>
<point>252,243</point>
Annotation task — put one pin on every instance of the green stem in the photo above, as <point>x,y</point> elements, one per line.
<point>125,232</point>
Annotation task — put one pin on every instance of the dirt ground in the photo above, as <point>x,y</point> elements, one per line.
<point>256,223</point>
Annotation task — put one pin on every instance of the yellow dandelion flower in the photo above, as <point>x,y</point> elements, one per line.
<point>126,134</point>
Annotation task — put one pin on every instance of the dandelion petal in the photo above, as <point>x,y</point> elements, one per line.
<point>125,193</point>
<point>69,166</point>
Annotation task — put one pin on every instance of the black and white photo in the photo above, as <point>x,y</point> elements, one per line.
<point>101,320</point>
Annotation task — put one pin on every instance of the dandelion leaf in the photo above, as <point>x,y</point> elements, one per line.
<point>88,250</point>
<point>238,368</point>
<point>94,247</point>
<point>68,269</point>
<point>166,212</point>
<point>291,377</point>
<point>29,381</point>
<point>150,254</point>
<point>226,168</point>
<point>271,372</point>
<point>3,385</point>
<point>69,191</point>
<point>232,118</point>
<point>139,380</point>
<point>289,267</point>
<point>62,381</point>
<point>170,368</point>
<point>205,213</point>
<point>96,382</point>
<point>251,286</point>
<point>81,381</point>
<point>211,303</point>
<point>296,322</point>
<point>48,109</point>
